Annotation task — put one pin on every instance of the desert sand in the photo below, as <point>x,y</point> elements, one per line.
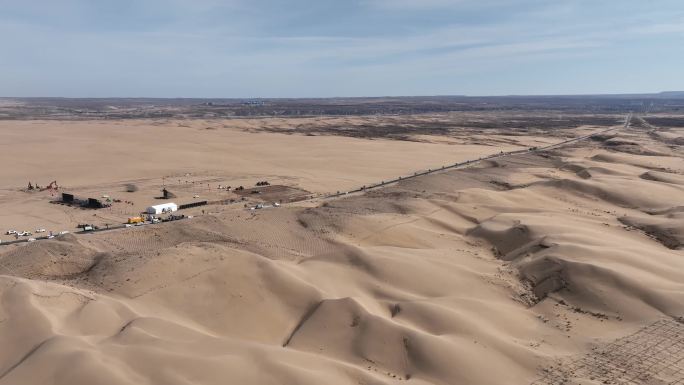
<point>565,265</point>
<point>95,158</point>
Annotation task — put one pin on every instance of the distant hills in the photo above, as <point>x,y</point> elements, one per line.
<point>672,94</point>
<point>48,100</point>
<point>183,108</point>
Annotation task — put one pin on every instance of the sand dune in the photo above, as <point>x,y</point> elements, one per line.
<point>502,273</point>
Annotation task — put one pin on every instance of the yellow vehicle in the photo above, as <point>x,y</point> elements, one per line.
<point>134,220</point>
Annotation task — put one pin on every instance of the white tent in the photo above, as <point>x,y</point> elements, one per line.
<point>162,208</point>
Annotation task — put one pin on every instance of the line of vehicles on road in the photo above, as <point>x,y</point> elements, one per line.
<point>151,219</point>
<point>18,234</point>
<point>21,234</point>
<point>134,221</point>
<point>262,206</point>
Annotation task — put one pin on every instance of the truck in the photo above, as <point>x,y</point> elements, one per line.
<point>135,220</point>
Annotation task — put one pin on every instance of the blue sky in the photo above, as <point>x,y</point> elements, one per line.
<point>324,48</point>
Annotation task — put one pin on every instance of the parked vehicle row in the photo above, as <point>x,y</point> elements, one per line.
<point>20,234</point>
<point>24,233</point>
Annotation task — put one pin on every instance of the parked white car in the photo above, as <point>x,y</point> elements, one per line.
<point>63,232</point>
<point>31,240</point>
<point>41,231</point>
<point>11,232</point>
<point>24,234</point>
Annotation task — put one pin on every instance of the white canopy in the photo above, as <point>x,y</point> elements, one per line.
<point>162,208</point>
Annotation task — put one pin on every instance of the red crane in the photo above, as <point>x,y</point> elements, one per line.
<point>53,187</point>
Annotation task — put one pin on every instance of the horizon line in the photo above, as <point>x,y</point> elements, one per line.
<point>635,94</point>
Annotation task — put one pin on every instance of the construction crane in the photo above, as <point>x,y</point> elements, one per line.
<point>53,187</point>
